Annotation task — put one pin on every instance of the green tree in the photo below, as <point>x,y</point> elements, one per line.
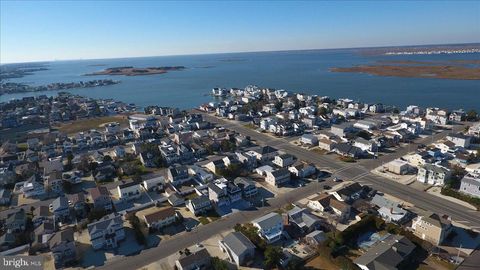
<point>272,256</point>
<point>219,264</point>
<point>471,115</point>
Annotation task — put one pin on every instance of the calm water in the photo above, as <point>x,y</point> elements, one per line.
<point>298,71</point>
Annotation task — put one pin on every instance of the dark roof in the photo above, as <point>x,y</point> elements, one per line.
<point>386,254</point>
<point>193,258</point>
<point>130,184</point>
<point>62,236</point>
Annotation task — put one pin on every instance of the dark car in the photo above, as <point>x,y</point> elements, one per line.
<point>327,187</point>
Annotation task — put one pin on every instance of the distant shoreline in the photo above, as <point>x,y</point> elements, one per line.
<point>132,71</point>
<point>453,70</point>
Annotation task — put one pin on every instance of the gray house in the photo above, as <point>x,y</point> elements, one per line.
<point>470,184</point>
<point>60,208</point>
<point>62,245</point>
<point>238,248</point>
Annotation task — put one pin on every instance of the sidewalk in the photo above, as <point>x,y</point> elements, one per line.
<point>436,191</point>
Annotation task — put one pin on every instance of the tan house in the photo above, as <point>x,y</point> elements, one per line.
<point>341,209</point>
<point>320,202</point>
<point>158,217</point>
<point>433,228</point>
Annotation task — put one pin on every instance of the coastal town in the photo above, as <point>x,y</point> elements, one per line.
<point>258,178</point>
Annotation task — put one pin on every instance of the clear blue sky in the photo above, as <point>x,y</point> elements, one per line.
<point>43,30</point>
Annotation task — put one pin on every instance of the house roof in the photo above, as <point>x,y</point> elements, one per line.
<point>193,258</point>
<point>96,192</point>
<point>60,203</point>
<point>386,254</point>
<point>269,220</point>
<point>160,214</point>
<point>238,242</point>
<point>341,206</point>
<point>41,211</point>
<point>104,223</point>
<point>280,172</point>
<point>61,236</point>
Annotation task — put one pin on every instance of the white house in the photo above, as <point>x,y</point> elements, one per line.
<point>129,191</point>
<point>278,177</point>
<point>283,160</point>
<point>270,227</point>
<point>159,218</point>
<point>154,184</point>
<point>433,174</point>
<point>106,232</point>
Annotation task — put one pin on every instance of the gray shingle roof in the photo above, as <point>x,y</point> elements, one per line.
<point>238,242</point>
<point>269,220</point>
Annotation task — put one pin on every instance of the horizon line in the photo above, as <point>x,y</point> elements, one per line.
<point>238,52</point>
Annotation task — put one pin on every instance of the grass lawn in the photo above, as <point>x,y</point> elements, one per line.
<point>320,262</point>
<point>250,126</point>
<point>191,196</point>
<point>203,220</point>
<point>91,123</point>
<point>319,151</point>
<point>435,263</point>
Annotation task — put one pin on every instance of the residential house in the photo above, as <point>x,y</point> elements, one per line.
<point>390,211</point>
<point>341,209</point>
<point>200,174</point>
<point>177,174</point>
<point>399,167</point>
<point>348,150</point>
<point>238,247</point>
<point>106,232</point>
<point>432,228</point>
<point>100,197</point>
<point>247,187</point>
<point>283,160</point>
<point>470,184</point>
<point>16,221</point>
<point>216,165</point>
<point>302,169</point>
<point>198,260</point>
<point>159,217</point>
<point>199,205</point>
<point>303,220</point>
<point>309,139</point>
<point>320,203</point>
<point>392,252</point>
<point>264,153</point>
<point>78,203</point>
<point>369,146</point>
<point>348,193</point>
<point>433,174</point>
<point>154,184</point>
<point>270,227</point>
<point>129,191</point>
<point>326,144</point>
<point>459,139</point>
<point>54,182</point>
<point>5,196</point>
<point>175,199</point>
<point>342,130</point>
<point>63,248</point>
<point>278,177</point>
<point>60,209</point>
<point>315,238</point>
<point>40,215</point>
